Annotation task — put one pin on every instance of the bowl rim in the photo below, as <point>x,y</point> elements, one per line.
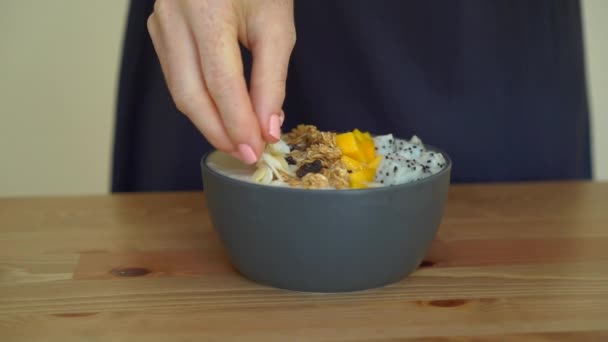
<point>284,189</point>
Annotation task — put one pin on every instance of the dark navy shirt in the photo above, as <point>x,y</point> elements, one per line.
<point>498,84</point>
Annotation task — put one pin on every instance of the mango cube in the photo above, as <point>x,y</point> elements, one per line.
<point>369,150</point>
<point>359,135</point>
<point>359,156</point>
<point>355,185</point>
<point>349,146</point>
<point>361,177</point>
<point>375,163</point>
<point>351,164</point>
<point>347,143</point>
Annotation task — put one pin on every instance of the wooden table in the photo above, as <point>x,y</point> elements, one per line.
<point>511,262</point>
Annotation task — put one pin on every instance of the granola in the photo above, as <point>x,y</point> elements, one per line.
<point>312,162</point>
<point>312,159</point>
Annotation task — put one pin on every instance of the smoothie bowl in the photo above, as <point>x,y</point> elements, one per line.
<point>328,212</point>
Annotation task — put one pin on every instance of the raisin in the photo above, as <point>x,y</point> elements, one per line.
<point>290,160</point>
<point>314,167</point>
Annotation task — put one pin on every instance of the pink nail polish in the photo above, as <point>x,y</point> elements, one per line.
<point>247,154</point>
<point>274,126</point>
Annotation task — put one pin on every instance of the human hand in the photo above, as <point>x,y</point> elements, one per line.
<point>197,43</point>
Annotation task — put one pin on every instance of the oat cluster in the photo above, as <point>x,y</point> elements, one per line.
<point>317,159</point>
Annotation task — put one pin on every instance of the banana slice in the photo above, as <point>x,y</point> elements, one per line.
<point>262,175</point>
<point>271,162</point>
<point>279,149</point>
<point>274,164</point>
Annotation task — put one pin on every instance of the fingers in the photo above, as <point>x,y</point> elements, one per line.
<point>222,68</point>
<point>197,44</point>
<point>271,47</point>
<point>268,81</point>
<point>178,56</point>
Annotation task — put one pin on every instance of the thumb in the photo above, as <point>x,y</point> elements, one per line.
<point>271,53</point>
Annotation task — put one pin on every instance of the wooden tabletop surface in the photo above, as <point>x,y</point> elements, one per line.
<point>511,262</point>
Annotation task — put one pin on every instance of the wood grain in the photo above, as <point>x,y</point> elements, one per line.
<point>511,262</point>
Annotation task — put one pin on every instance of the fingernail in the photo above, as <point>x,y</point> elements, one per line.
<point>275,126</point>
<point>247,154</point>
<point>282,118</point>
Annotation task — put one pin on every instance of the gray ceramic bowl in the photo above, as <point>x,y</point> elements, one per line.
<point>325,240</point>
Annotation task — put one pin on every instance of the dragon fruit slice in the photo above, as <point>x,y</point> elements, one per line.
<point>407,149</point>
<point>384,144</point>
<point>432,161</point>
<point>395,170</point>
<point>415,140</point>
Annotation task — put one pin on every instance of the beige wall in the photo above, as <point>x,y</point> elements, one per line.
<point>596,45</point>
<point>57,82</point>
<point>59,61</point>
